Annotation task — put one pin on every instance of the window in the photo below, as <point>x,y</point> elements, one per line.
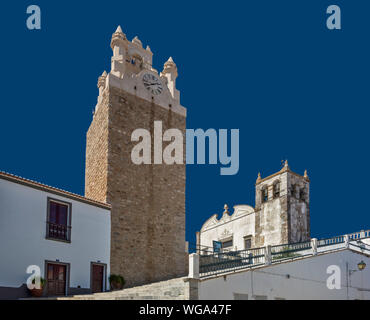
<point>293,190</point>
<point>58,220</point>
<point>277,189</point>
<point>227,244</point>
<point>265,194</point>
<point>136,61</point>
<point>247,243</point>
<point>301,194</point>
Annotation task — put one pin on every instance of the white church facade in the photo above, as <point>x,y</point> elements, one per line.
<point>281,215</point>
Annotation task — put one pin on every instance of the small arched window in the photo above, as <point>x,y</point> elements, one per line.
<point>293,190</point>
<point>136,61</point>
<point>277,189</point>
<point>264,194</point>
<point>301,194</point>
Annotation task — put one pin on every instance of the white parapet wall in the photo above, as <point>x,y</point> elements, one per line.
<point>331,275</point>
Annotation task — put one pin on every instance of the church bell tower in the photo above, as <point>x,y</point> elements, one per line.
<point>148,200</point>
<point>282,213</point>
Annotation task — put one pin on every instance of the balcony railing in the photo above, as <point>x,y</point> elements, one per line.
<point>58,231</point>
<point>291,250</point>
<point>215,263</point>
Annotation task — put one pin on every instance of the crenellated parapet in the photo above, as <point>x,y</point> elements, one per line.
<point>133,72</point>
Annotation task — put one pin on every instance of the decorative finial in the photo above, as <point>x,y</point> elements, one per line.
<point>226,209</point>
<point>305,174</point>
<point>117,36</point>
<point>148,49</point>
<point>170,63</point>
<point>137,41</point>
<point>170,67</point>
<point>101,79</point>
<point>286,166</point>
<point>259,178</point>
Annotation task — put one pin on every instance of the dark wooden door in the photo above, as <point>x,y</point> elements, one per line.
<point>97,278</point>
<point>56,279</point>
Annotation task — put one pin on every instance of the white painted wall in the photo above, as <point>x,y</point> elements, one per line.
<point>23,214</point>
<point>236,226</point>
<point>307,280</point>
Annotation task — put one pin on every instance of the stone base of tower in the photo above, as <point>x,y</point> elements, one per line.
<point>148,201</point>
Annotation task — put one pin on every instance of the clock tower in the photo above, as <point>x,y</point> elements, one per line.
<point>148,201</point>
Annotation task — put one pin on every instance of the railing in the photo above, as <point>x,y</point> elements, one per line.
<point>359,235</point>
<point>289,251</point>
<point>330,241</point>
<point>217,262</point>
<point>360,246</point>
<point>213,263</point>
<point>58,231</point>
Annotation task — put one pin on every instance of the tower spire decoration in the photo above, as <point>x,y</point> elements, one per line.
<point>285,167</point>
<point>259,178</point>
<point>137,41</point>
<point>226,209</point>
<point>117,36</point>
<point>170,72</point>
<point>101,80</point>
<point>305,174</point>
<point>118,45</point>
<point>101,85</point>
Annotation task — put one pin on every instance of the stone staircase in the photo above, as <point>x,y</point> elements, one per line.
<point>174,289</point>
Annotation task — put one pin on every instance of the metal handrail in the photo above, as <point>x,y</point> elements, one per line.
<point>212,263</point>
<point>220,261</point>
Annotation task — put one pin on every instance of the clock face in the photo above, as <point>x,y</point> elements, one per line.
<point>152,83</point>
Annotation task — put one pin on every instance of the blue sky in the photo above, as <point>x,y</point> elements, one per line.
<point>272,69</point>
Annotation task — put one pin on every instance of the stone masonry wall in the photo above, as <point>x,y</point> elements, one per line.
<point>148,201</point>
<point>285,219</point>
<point>96,173</point>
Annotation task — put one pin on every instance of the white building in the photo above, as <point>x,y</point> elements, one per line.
<point>336,268</point>
<point>281,215</point>
<point>266,252</point>
<point>66,235</point>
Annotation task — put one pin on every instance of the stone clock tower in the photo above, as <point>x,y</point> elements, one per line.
<point>148,201</point>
